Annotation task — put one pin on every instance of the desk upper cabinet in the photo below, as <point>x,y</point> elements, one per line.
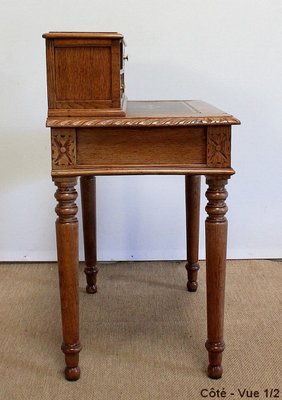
<point>85,74</point>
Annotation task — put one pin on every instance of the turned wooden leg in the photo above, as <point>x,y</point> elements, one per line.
<point>192,192</point>
<point>216,240</point>
<point>88,201</point>
<point>67,249</point>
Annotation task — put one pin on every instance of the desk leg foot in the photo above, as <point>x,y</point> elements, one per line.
<point>72,370</point>
<point>72,374</point>
<point>67,249</point>
<point>192,194</point>
<point>192,272</point>
<point>216,241</point>
<point>88,201</point>
<point>215,357</point>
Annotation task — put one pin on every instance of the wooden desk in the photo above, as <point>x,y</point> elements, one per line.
<point>190,138</point>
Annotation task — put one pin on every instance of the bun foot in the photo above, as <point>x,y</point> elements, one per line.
<point>72,373</point>
<point>91,289</point>
<point>215,371</point>
<point>192,272</point>
<point>192,286</point>
<point>91,274</point>
<point>215,350</point>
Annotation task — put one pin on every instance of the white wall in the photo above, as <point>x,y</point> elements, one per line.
<point>224,52</point>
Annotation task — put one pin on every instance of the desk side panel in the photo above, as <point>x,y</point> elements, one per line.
<point>132,150</point>
<point>147,146</point>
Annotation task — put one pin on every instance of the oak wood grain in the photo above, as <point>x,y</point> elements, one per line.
<point>67,249</point>
<point>88,205</point>
<point>95,131</point>
<point>154,114</point>
<point>82,35</point>
<point>219,146</point>
<point>192,196</point>
<point>63,146</point>
<point>115,147</point>
<point>216,243</point>
<point>84,74</point>
<point>141,170</point>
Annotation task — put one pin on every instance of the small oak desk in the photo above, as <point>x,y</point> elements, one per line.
<point>190,138</point>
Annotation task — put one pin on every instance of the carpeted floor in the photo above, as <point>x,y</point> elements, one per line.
<point>143,335</point>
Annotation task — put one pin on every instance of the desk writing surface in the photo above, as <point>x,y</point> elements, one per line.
<point>154,113</point>
<point>171,108</point>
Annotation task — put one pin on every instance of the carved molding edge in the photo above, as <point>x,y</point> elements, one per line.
<point>63,145</point>
<point>219,146</point>
<point>146,122</point>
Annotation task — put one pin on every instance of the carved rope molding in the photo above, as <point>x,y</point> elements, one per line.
<point>63,147</point>
<point>219,146</point>
<point>146,122</point>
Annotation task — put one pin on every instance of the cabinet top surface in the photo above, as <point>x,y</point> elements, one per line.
<point>154,113</point>
<point>82,35</point>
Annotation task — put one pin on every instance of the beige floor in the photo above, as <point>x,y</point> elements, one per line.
<point>143,334</point>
